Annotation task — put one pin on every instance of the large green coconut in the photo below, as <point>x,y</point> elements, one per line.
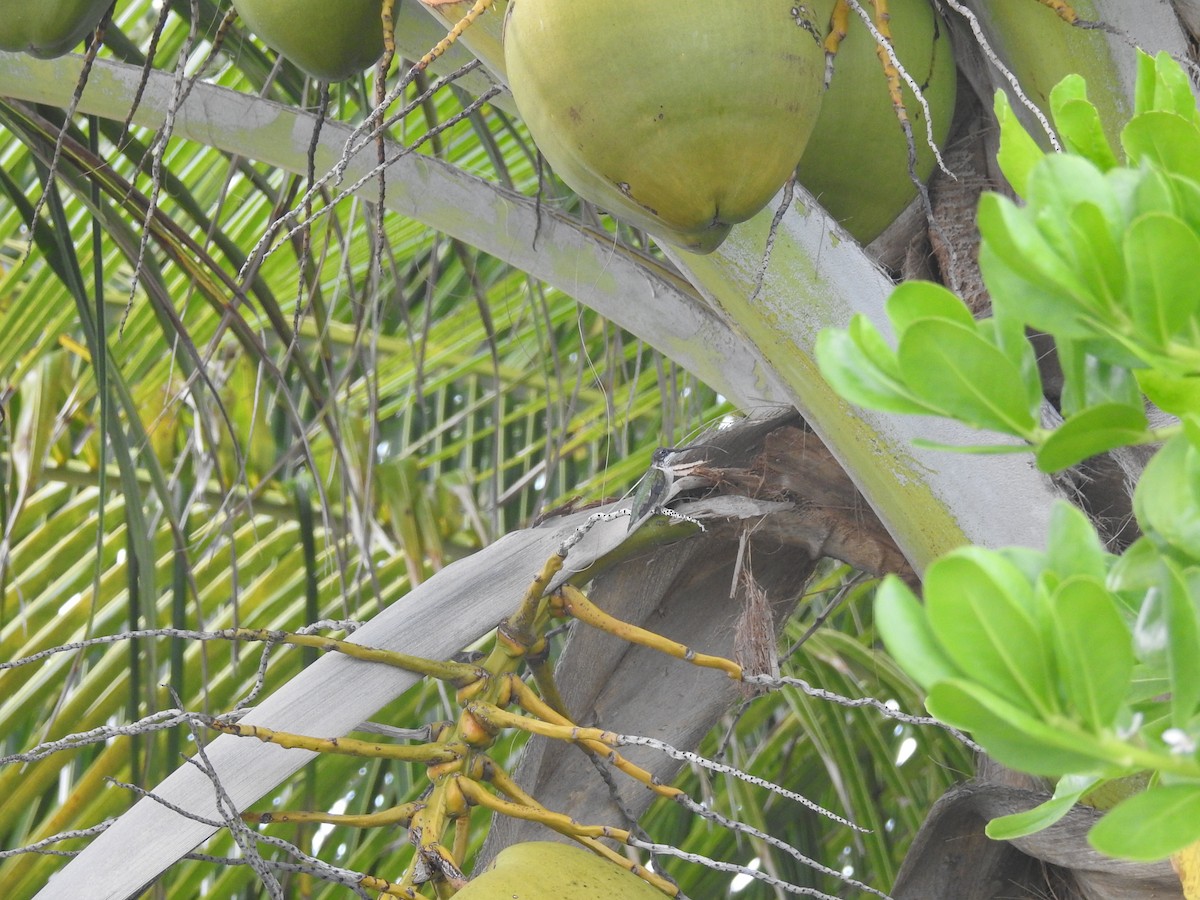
<point>856,162</point>
<point>1041,50</point>
<point>682,118</point>
<point>540,870</point>
<point>331,40</point>
<point>48,28</point>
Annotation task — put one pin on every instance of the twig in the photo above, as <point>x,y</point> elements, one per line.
<point>852,703</point>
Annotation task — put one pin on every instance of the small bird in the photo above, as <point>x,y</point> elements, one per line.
<point>654,490</point>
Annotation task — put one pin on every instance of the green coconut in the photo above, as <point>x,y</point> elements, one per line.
<point>680,118</point>
<point>541,870</point>
<point>48,28</point>
<point>331,40</point>
<point>856,161</point>
<point>1040,49</point>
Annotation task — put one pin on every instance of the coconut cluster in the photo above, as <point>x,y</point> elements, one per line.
<point>681,119</point>
<point>684,119</point>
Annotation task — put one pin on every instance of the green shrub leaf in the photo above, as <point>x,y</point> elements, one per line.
<point>1094,649</point>
<point>1078,122</point>
<point>915,300</point>
<point>1097,256</point>
<point>862,377</point>
<point>1150,825</point>
<point>1019,152</point>
<point>981,609</point>
<point>1025,277</point>
<point>1089,381</point>
<point>904,628</point>
<point>1162,258</point>
<point>1167,498</point>
<point>1066,794</point>
<point>1015,738</point>
<point>953,366</point>
<point>1074,547</point>
<point>1162,85</point>
<point>1181,590</point>
<point>1166,140</point>
<point>1176,394</point>
<point>1150,628</point>
<point>1008,335</point>
<point>1057,186</point>
<point>1095,430</point>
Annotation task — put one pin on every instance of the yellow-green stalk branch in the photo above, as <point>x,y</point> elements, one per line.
<point>422,753</point>
<point>570,601</point>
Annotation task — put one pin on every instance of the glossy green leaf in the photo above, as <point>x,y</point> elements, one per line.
<point>1145,84</point>
<point>1148,684</point>
<point>950,365</point>
<point>1030,563</point>
<point>1012,736</point>
<point>1162,85</point>
<point>1181,592</point>
<point>1175,394</point>
<point>1008,334</point>
<point>1167,497</point>
<point>915,300</point>
<point>1116,344</point>
<point>1024,276</point>
<point>1151,825</point>
<point>981,610</point>
<point>1182,196</point>
<point>1091,381</point>
<point>1162,258</point>
<point>1019,152</point>
<point>1157,191</point>
<point>1094,651</point>
<point>1078,124</point>
<point>1136,570</point>
<point>857,378</point>
<point>1058,185</point>
<point>1151,628</point>
<point>904,628</point>
<point>1096,430</point>
<point>1174,87</point>
<point>1191,428</point>
<point>1164,139</point>
<point>1074,548</point>
<point>1066,794</point>
<point>1092,235</point>
<point>871,343</point>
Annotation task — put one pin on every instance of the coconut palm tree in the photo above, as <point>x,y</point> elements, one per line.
<point>252,377</point>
